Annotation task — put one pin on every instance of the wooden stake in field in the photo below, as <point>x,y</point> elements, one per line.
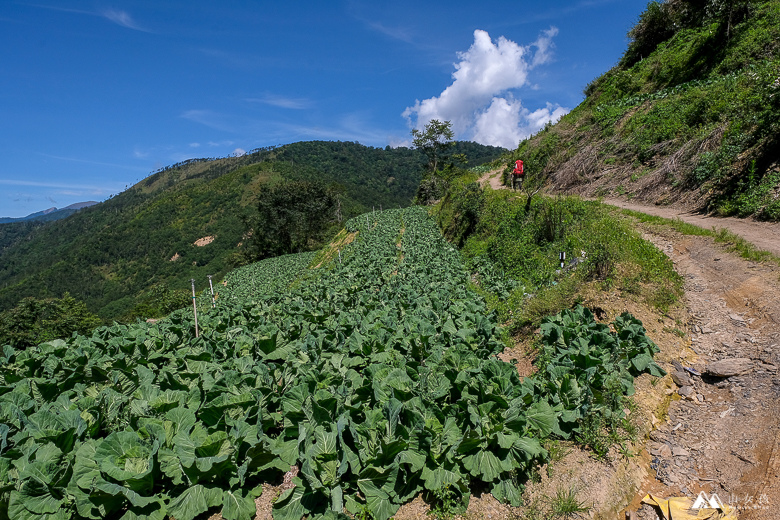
<point>194,307</point>
<point>213,301</point>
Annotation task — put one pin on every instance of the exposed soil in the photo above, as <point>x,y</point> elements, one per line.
<point>204,241</point>
<point>493,179</point>
<point>720,434</point>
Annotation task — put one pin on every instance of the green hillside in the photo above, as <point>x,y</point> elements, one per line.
<point>108,255</point>
<point>690,115</point>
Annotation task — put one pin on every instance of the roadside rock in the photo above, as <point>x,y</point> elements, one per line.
<point>685,391</point>
<point>681,378</point>
<point>729,367</point>
<point>680,452</point>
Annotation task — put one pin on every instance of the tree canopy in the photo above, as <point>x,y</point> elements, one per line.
<point>35,321</point>
<point>434,141</point>
<point>292,217</point>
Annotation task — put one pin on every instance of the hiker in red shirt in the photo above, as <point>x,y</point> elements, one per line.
<point>517,174</point>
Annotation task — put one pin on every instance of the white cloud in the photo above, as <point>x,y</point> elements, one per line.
<point>87,161</point>
<point>544,46</point>
<point>282,102</point>
<point>506,122</point>
<point>238,152</point>
<point>215,120</point>
<point>499,125</point>
<point>538,118</point>
<point>61,185</point>
<point>399,33</point>
<point>480,103</point>
<point>221,143</point>
<point>122,18</point>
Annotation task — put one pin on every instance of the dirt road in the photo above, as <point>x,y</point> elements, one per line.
<point>764,235</point>
<point>723,435</point>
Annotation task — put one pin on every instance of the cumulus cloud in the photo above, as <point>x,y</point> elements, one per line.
<point>506,122</point>
<point>238,152</point>
<point>499,125</point>
<point>480,102</point>
<point>544,46</point>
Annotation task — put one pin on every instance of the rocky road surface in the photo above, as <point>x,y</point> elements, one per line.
<point>723,433</point>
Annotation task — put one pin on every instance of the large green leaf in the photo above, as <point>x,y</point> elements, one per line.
<point>508,491</point>
<point>238,505</point>
<point>29,505</point>
<point>483,464</point>
<point>298,501</point>
<point>193,501</point>
<point>438,478</point>
<point>125,458</point>
<point>541,418</point>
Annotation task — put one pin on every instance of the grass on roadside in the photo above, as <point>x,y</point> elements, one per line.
<point>504,238</point>
<point>732,242</point>
<point>564,505</point>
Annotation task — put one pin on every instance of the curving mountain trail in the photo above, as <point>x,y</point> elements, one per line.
<point>764,235</point>
<point>722,433</point>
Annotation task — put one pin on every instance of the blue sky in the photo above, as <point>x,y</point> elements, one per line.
<point>96,95</point>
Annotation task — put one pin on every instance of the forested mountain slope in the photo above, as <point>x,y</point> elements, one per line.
<point>108,255</point>
<point>689,116</point>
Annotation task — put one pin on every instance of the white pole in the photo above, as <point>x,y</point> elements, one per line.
<point>213,301</point>
<point>194,307</point>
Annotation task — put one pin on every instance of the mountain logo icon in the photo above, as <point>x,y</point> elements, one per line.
<point>704,501</point>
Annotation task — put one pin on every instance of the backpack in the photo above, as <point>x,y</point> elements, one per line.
<point>518,167</point>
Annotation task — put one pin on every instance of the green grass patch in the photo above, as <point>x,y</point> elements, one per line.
<point>731,242</point>
<point>513,248</point>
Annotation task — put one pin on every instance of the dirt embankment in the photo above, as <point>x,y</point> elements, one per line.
<point>722,430</point>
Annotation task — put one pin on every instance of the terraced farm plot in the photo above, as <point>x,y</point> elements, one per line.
<point>375,375</point>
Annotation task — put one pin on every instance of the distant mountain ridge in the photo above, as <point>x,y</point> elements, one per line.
<point>187,221</point>
<point>50,214</point>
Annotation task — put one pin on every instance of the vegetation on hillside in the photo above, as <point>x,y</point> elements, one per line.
<point>374,375</point>
<point>33,321</point>
<point>111,255</point>
<point>444,161</point>
<point>513,245</point>
<point>292,217</point>
<point>691,113</point>
<point>13,232</point>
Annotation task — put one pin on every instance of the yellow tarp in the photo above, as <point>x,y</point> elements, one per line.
<point>679,508</point>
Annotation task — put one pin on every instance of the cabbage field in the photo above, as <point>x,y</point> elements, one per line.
<point>375,375</point>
